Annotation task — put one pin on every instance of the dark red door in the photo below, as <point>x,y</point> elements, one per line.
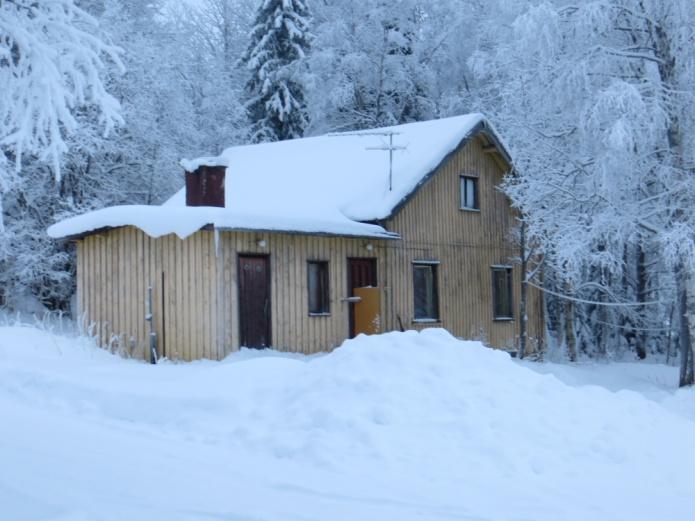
<point>361,274</point>
<point>254,301</point>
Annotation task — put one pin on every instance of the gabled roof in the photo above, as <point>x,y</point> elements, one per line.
<point>334,184</point>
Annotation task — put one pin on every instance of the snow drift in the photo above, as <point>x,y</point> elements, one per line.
<point>397,426</point>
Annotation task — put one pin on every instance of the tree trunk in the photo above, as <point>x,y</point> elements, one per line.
<point>686,295</point>
<point>684,278</point>
<point>669,334</point>
<point>541,318</point>
<point>523,316</point>
<point>570,337</point>
<point>602,313</point>
<point>641,338</point>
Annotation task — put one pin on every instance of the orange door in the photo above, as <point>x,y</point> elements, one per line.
<point>367,311</point>
<point>361,274</point>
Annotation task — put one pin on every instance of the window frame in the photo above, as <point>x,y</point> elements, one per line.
<point>324,291</point>
<point>509,271</point>
<point>463,192</point>
<point>433,265</point>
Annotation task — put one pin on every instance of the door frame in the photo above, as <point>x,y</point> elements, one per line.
<point>350,288</point>
<point>265,256</point>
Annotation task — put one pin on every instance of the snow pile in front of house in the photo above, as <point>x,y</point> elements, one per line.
<point>398,426</point>
<point>183,221</point>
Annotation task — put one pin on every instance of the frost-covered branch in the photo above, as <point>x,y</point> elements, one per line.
<point>51,64</point>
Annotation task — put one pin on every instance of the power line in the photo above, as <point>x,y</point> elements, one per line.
<point>594,302</point>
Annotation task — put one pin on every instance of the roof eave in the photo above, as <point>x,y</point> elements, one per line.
<point>86,233</point>
<point>389,236</point>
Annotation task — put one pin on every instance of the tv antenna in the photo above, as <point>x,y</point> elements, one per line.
<point>390,147</point>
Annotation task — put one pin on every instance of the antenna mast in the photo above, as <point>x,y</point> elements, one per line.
<point>390,147</point>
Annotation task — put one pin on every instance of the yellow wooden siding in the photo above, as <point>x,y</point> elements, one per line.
<point>292,329</point>
<point>466,243</point>
<point>195,308</point>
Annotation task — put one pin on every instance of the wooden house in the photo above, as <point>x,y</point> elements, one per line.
<point>299,245</point>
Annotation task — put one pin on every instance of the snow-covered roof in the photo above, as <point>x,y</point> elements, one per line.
<point>333,184</point>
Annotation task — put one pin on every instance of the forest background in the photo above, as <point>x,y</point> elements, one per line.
<point>100,99</point>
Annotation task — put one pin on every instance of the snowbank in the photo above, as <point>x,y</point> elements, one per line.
<point>398,426</point>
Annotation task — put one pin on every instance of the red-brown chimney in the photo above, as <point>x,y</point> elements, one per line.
<point>205,186</point>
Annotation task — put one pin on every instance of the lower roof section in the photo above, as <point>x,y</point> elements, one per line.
<point>157,221</point>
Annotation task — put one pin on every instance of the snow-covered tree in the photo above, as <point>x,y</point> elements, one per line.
<point>594,97</point>
<point>217,36</point>
<point>380,62</point>
<point>275,57</point>
<point>361,58</point>
<point>54,66</point>
<point>51,64</point>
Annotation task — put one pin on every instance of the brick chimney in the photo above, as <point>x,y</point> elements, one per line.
<point>205,186</point>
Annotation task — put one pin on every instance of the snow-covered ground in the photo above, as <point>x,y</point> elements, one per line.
<point>402,426</point>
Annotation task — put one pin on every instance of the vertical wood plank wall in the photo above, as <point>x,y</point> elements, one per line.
<point>293,329</point>
<point>466,243</point>
<point>195,287</point>
<point>195,290</point>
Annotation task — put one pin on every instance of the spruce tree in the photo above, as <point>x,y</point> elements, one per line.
<point>280,40</point>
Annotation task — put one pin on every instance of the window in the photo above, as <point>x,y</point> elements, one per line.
<point>319,297</point>
<point>425,291</point>
<point>469,193</point>
<point>502,292</point>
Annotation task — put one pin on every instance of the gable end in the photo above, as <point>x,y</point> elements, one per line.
<point>480,128</point>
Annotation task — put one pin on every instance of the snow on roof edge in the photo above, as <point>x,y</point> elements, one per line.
<point>157,221</point>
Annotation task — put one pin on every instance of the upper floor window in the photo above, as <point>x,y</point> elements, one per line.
<point>319,296</point>
<point>425,290</point>
<point>502,297</point>
<point>469,193</point>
